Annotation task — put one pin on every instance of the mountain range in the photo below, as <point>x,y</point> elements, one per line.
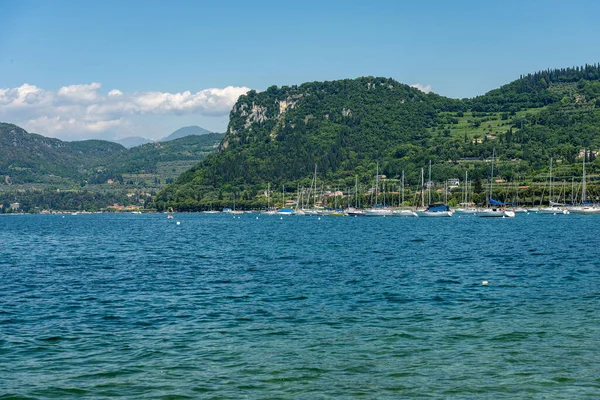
<point>31,158</point>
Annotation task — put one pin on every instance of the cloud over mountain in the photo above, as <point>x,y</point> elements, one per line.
<point>82,111</point>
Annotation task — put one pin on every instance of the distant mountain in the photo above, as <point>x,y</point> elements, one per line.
<point>31,158</point>
<point>27,157</point>
<point>132,141</point>
<point>185,131</point>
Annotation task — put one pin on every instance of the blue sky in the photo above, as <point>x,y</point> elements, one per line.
<point>150,53</point>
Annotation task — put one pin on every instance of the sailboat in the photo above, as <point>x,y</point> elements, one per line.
<point>314,210</point>
<point>494,208</point>
<point>234,211</point>
<point>283,210</point>
<point>553,207</point>
<point>434,211</point>
<point>467,207</point>
<point>268,210</point>
<point>378,211</point>
<point>585,208</point>
<point>402,211</point>
<point>517,208</point>
<point>356,211</point>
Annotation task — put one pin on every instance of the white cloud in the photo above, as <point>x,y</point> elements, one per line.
<point>80,93</point>
<point>84,111</point>
<point>422,88</point>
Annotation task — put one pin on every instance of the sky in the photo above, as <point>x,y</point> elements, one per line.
<point>111,69</point>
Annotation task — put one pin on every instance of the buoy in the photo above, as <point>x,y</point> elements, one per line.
<point>280,217</point>
<point>178,223</point>
<point>484,283</point>
<point>256,217</point>
<point>319,218</point>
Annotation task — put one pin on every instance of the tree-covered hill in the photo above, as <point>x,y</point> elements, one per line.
<point>346,127</point>
<point>31,158</point>
<point>146,158</point>
<point>27,157</point>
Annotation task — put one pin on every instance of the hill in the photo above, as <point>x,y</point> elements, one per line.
<point>185,131</point>
<point>43,172</point>
<point>346,127</point>
<point>27,157</point>
<point>147,158</point>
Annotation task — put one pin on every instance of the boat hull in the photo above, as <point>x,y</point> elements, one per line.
<point>496,214</point>
<point>434,214</point>
<point>405,213</point>
<point>379,212</point>
<point>585,210</point>
<point>553,211</point>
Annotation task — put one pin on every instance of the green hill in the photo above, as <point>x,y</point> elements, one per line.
<point>31,158</point>
<point>48,173</point>
<point>147,158</point>
<point>346,127</point>
<point>27,157</point>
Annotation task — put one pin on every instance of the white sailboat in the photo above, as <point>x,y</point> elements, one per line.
<point>553,207</point>
<point>433,211</point>
<point>466,206</point>
<point>584,208</point>
<point>284,210</point>
<point>494,210</point>
<point>402,211</point>
<point>356,211</point>
<point>378,211</point>
<point>517,208</point>
<point>268,210</point>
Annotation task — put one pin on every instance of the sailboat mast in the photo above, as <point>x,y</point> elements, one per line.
<point>356,190</point>
<point>492,177</point>
<point>422,188</point>
<point>583,188</point>
<point>429,186</point>
<point>377,185</point>
<point>446,192</point>
<point>551,185</point>
<point>466,187</point>
<point>315,181</point>
<point>402,187</point>
<point>517,191</point>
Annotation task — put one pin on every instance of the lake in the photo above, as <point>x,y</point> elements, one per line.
<point>136,306</point>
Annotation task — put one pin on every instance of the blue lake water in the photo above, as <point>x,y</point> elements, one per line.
<point>136,306</point>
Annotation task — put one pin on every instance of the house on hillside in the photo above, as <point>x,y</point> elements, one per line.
<point>453,182</point>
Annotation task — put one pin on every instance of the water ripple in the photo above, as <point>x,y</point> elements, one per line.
<point>136,306</point>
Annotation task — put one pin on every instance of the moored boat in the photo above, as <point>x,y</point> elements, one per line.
<point>441,211</point>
